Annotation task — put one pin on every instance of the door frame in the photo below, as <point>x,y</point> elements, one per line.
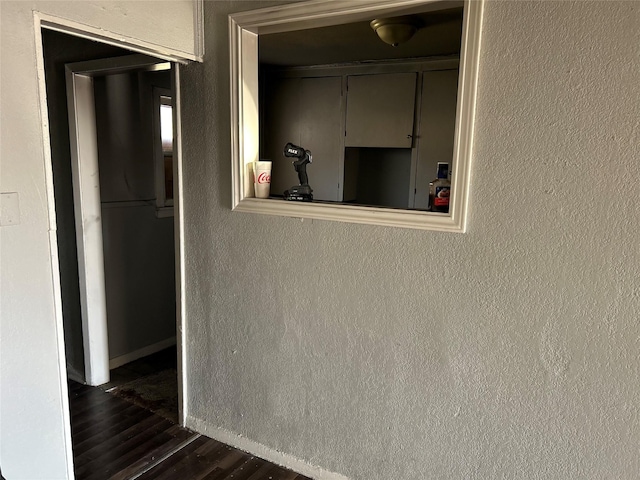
<point>86,191</point>
<point>87,205</point>
<point>52,22</point>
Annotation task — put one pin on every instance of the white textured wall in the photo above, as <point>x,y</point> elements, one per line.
<point>34,433</point>
<point>508,352</point>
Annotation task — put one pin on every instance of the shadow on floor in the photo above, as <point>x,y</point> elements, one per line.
<point>150,382</point>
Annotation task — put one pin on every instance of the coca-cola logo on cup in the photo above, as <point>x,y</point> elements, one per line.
<point>264,177</point>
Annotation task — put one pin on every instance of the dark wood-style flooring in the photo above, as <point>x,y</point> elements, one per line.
<point>117,440</point>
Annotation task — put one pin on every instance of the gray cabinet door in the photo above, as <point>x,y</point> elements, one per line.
<point>321,132</point>
<point>380,110</point>
<point>437,129</point>
<point>308,113</point>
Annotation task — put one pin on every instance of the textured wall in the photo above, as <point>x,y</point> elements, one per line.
<point>508,352</point>
<point>33,401</point>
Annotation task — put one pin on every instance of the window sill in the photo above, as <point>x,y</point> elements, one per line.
<point>390,217</point>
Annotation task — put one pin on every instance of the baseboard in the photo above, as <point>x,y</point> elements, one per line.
<point>75,376</point>
<point>142,352</point>
<point>262,451</point>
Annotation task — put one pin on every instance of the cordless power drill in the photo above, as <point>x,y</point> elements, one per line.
<point>302,192</point>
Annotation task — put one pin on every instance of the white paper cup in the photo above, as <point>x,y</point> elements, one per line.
<point>262,178</point>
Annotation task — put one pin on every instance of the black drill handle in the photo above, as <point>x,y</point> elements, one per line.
<point>302,174</point>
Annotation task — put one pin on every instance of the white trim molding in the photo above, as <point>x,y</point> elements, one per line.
<point>53,248</point>
<point>244,30</point>
<point>88,215</point>
<point>178,231</point>
<point>198,26</point>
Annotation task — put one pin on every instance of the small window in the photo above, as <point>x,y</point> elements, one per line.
<point>344,199</point>
<point>163,148</point>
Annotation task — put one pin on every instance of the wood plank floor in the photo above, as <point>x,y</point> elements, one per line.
<point>117,440</point>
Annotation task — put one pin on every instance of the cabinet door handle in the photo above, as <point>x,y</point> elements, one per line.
<point>409,136</point>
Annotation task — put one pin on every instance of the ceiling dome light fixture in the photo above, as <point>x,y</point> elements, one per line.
<point>396,30</point>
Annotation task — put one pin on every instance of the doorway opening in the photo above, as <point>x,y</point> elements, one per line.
<point>117,247</point>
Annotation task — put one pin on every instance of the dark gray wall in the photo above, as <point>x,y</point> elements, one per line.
<point>138,246</point>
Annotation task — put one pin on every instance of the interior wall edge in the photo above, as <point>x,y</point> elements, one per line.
<point>54,261</point>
